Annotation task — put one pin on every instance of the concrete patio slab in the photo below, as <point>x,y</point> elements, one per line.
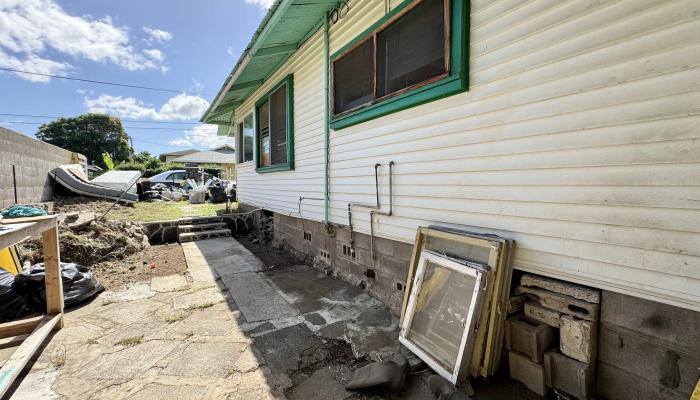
<point>256,299</point>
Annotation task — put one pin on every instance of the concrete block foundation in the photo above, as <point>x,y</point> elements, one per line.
<point>528,337</point>
<point>524,370</point>
<point>571,376</point>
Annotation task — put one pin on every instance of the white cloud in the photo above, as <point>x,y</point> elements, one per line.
<point>158,34</point>
<point>180,107</point>
<point>33,63</point>
<point>264,4</point>
<point>31,28</point>
<point>202,135</point>
<point>154,54</point>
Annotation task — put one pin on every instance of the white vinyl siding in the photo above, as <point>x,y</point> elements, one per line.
<point>578,138</point>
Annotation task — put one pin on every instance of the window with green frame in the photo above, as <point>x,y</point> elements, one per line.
<point>415,54</point>
<point>274,128</point>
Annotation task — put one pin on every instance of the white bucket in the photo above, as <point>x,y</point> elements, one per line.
<point>197,197</point>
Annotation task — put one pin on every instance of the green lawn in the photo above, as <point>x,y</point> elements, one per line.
<point>166,210</point>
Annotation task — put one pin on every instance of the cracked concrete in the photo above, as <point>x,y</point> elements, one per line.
<point>228,329</point>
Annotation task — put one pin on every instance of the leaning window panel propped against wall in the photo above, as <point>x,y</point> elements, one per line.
<point>442,308</point>
<point>493,252</point>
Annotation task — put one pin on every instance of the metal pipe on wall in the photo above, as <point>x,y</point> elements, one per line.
<point>363,205</point>
<point>388,214</point>
<point>326,120</point>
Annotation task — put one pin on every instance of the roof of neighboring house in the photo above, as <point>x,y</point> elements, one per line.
<point>207,157</point>
<point>179,153</point>
<point>286,26</point>
<point>226,148</point>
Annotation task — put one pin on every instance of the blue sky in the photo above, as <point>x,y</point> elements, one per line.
<point>175,44</point>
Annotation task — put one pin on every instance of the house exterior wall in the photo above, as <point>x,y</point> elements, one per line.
<point>578,138</point>
<point>33,159</point>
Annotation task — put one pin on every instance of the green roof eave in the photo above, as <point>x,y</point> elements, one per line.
<point>286,26</point>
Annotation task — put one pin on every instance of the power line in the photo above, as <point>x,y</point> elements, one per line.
<point>125,127</point>
<point>124,120</point>
<point>94,81</point>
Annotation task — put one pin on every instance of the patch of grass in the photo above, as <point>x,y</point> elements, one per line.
<point>130,341</point>
<point>92,341</point>
<point>172,318</point>
<point>199,307</point>
<point>166,210</point>
<point>106,302</point>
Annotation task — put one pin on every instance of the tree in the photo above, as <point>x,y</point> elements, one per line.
<point>90,135</point>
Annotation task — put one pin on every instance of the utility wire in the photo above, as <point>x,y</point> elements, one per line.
<point>125,127</point>
<point>94,81</point>
<point>124,120</point>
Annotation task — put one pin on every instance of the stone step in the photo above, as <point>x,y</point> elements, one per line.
<point>201,235</point>
<point>201,227</point>
<point>200,220</point>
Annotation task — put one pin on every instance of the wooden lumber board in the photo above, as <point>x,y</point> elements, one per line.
<point>9,221</point>
<point>19,327</point>
<point>479,348</point>
<point>12,341</point>
<point>25,351</point>
<point>53,281</point>
<point>415,256</point>
<point>14,233</point>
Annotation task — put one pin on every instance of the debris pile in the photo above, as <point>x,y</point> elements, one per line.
<point>87,241</point>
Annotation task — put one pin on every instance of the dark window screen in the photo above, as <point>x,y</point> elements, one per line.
<point>352,78</point>
<point>278,125</point>
<point>412,49</point>
<point>264,129</point>
<point>239,143</point>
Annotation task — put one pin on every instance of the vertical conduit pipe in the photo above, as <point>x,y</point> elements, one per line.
<point>388,214</point>
<point>326,119</point>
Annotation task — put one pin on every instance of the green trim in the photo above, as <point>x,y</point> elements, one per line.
<point>289,165</point>
<point>456,82</point>
<point>326,121</point>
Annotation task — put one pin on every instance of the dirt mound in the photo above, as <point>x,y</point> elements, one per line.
<point>92,243</point>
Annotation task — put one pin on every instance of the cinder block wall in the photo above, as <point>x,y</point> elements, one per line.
<point>647,350</point>
<point>33,159</point>
<point>384,276</point>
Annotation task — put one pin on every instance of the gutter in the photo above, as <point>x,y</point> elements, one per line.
<point>326,120</point>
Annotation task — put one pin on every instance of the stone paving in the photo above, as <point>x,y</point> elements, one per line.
<point>175,338</point>
<point>227,329</point>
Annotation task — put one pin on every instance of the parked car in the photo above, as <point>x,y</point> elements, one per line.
<point>172,177</point>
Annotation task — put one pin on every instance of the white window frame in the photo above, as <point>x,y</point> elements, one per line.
<point>463,356</point>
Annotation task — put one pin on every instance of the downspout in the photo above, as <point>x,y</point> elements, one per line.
<point>326,120</point>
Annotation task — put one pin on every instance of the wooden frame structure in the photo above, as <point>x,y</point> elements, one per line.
<point>489,326</point>
<point>458,371</point>
<point>32,332</point>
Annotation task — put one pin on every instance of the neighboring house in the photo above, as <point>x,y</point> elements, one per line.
<point>226,149</point>
<point>223,159</point>
<point>571,127</point>
<point>169,157</point>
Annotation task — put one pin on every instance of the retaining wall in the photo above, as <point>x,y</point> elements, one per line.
<point>33,159</point>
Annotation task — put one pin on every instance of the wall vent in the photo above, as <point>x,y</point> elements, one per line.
<point>307,236</point>
<point>348,251</point>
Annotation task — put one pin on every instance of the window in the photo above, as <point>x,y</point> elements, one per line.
<point>442,309</point>
<point>415,54</point>
<point>176,176</point>
<point>274,128</point>
<point>246,139</point>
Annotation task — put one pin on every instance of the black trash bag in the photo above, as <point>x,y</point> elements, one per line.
<point>217,194</point>
<point>79,284</point>
<point>12,304</point>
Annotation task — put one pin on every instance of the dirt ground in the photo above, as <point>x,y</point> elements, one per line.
<point>162,260</point>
